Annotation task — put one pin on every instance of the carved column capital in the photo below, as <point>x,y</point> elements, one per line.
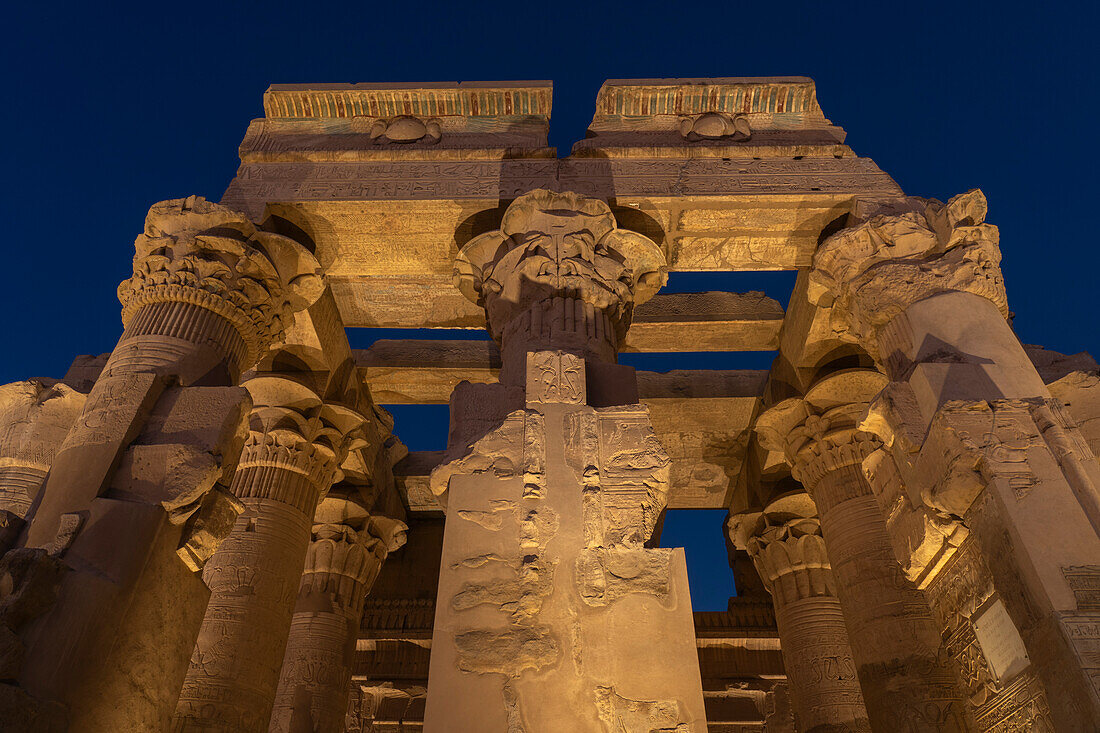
<point>786,545</point>
<point>344,559</point>
<point>196,253</point>
<point>821,432</point>
<point>560,261</point>
<point>293,430</point>
<point>871,272</point>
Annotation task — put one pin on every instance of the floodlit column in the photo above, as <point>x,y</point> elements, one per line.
<point>35,416</point>
<point>786,545</point>
<point>136,498</point>
<point>345,555</point>
<point>290,459</point>
<point>905,676</point>
<point>552,614</point>
<point>986,460</point>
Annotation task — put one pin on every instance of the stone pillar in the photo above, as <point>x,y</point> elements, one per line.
<point>135,501</point>
<point>904,673</point>
<point>552,614</point>
<point>986,459</point>
<point>344,558</point>
<point>290,459</point>
<point>785,543</point>
<point>35,416</point>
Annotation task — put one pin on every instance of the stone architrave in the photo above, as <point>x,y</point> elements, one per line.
<point>35,416</point>
<point>135,501</point>
<point>291,458</point>
<point>985,454</point>
<point>786,545</point>
<point>903,670</point>
<point>554,484</point>
<point>345,555</point>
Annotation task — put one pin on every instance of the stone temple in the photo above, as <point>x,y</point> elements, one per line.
<point>212,528</point>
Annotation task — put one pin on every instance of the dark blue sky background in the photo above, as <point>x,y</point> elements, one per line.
<point>110,107</point>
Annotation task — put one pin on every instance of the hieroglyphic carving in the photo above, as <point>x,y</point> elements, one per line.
<point>456,180</point>
<point>554,376</point>
<point>344,558</point>
<point>903,669</point>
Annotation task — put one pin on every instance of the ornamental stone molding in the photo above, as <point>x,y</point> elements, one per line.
<point>566,247</point>
<point>871,272</point>
<point>198,253</point>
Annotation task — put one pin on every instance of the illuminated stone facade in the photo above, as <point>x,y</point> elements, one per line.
<point>212,528</point>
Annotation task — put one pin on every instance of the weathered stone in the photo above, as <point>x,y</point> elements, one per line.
<point>939,575</point>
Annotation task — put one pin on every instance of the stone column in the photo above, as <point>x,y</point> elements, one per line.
<point>344,558</point>
<point>987,460</point>
<point>903,670</point>
<point>552,613</point>
<point>786,545</point>
<point>290,459</point>
<point>35,416</point>
<point>135,501</point>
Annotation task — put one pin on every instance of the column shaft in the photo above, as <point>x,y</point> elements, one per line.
<point>820,671</point>
<point>343,561</point>
<point>895,642</point>
<point>253,578</point>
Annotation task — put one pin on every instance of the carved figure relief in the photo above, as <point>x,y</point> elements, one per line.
<point>405,129</point>
<point>715,126</point>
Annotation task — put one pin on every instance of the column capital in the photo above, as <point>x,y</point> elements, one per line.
<point>560,261</point>
<point>821,432</point>
<point>871,272</point>
<point>293,429</point>
<point>198,253</point>
<point>785,542</point>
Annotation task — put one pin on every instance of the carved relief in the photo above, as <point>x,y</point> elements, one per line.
<point>715,126</point>
<point>405,129</point>
<point>295,446</point>
<point>35,417</point>
<point>554,376</point>
<point>785,543</point>
<point>871,272</point>
<point>622,715</point>
<point>203,254</point>
<point>560,246</point>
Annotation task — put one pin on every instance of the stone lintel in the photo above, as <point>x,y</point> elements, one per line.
<point>425,372</point>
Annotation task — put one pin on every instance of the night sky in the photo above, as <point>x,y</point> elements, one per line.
<point>111,107</point>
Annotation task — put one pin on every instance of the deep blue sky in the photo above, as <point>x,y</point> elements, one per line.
<point>110,107</point>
